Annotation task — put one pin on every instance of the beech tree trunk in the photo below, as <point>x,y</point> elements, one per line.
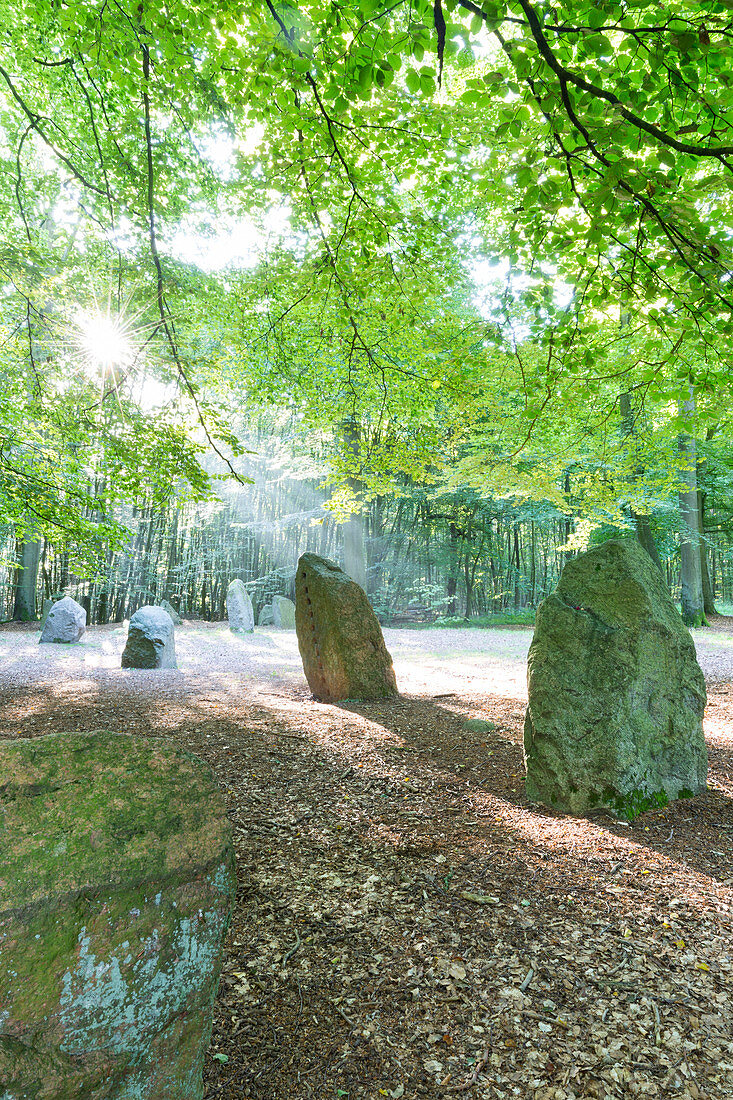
<point>690,565</point>
<point>451,586</point>
<point>354,529</point>
<point>26,579</point>
<point>355,560</point>
<point>708,590</point>
<point>641,521</point>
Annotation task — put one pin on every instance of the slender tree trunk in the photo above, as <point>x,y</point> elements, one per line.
<point>376,570</point>
<point>517,569</point>
<point>708,591</point>
<point>568,518</point>
<point>474,566</point>
<point>533,567</point>
<point>26,580</point>
<point>467,580</point>
<point>63,570</point>
<point>451,586</point>
<point>646,538</point>
<point>641,521</point>
<point>355,557</point>
<point>690,567</point>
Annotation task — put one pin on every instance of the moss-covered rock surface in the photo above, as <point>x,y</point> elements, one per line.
<point>616,696</point>
<point>340,640</point>
<point>116,888</point>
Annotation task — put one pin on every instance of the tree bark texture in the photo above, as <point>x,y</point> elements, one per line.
<point>25,581</point>
<point>690,566</point>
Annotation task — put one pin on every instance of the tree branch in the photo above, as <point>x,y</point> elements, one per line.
<point>165,321</point>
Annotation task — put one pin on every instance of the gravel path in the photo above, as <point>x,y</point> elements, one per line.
<point>467,661</point>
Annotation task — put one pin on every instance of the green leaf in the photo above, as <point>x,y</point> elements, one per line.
<point>412,80</point>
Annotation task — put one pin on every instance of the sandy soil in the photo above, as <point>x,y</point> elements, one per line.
<point>408,925</point>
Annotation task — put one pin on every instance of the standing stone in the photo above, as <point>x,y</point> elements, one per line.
<point>48,603</point>
<point>283,612</point>
<point>239,608</point>
<point>266,617</point>
<point>150,640</point>
<point>340,640</point>
<point>66,622</point>
<point>168,606</point>
<point>616,696</point>
<point>117,885</point>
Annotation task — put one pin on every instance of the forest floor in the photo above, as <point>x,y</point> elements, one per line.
<point>408,924</point>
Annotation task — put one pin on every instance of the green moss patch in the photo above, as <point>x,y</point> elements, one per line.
<point>117,884</point>
<point>85,810</point>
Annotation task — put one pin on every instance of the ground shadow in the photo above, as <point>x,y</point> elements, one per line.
<point>696,832</point>
<point>382,851</point>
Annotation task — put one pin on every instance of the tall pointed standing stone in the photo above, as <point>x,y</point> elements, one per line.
<point>239,608</point>
<point>168,606</point>
<point>616,696</point>
<point>340,640</point>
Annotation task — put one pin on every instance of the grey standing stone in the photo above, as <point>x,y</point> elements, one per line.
<point>66,621</point>
<point>616,696</point>
<point>48,603</point>
<point>283,612</point>
<point>340,640</point>
<point>150,640</point>
<point>117,885</point>
<point>239,608</point>
<point>45,611</point>
<point>266,616</point>
<point>168,606</point>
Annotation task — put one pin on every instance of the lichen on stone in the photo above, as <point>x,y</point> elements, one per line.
<point>116,887</point>
<point>339,637</point>
<point>616,696</point>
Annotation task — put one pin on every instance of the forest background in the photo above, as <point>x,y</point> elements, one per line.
<point>438,289</point>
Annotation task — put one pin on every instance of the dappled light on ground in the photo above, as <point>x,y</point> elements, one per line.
<point>406,919</point>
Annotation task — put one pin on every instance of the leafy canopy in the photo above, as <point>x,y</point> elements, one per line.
<point>585,146</point>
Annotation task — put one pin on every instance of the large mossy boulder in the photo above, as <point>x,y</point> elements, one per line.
<point>65,622</point>
<point>150,640</point>
<point>340,640</point>
<point>116,887</point>
<point>616,696</point>
<point>239,608</point>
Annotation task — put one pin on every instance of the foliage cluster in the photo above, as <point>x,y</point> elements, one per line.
<point>574,157</point>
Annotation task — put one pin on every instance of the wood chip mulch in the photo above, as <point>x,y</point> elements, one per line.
<point>408,925</point>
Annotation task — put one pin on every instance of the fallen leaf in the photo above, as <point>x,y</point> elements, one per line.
<point>480,899</point>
